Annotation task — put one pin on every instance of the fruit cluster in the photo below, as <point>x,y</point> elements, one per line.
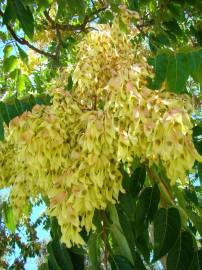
<point>71,150</point>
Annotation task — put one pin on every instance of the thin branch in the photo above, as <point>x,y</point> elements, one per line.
<point>76,27</point>
<point>23,41</point>
<point>58,34</point>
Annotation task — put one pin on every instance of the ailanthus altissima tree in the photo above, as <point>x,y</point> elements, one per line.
<point>113,145</point>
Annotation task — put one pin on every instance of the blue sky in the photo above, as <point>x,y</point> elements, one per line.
<point>42,234</point>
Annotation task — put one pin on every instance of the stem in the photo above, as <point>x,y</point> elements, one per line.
<point>104,238</point>
<point>95,102</point>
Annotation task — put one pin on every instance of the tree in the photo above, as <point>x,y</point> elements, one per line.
<point>101,116</point>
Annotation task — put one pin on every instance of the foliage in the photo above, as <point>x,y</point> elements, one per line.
<point>114,83</point>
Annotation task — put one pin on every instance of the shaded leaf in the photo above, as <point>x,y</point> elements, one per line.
<point>122,247</point>
<point>61,255</point>
<point>138,263</point>
<point>1,129</point>
<point>143,247</point>
<point>137,180</point>
<point>25,17</point>
<point>127,228</point>
<point>93,251</point>
<point>9,13</point>
<point>167,224</point>
<point>78,256</point>
<point>52,263</point>
<point>121,263</point>
<point>146,208</point>
<point>181,255</point>
<point>196,263</point>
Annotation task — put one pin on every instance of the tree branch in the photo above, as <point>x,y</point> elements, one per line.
<point>76,27</point>
<point>57,27</point>
<point>23,41</point>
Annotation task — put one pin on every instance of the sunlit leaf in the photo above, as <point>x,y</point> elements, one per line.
<point>10,63</point>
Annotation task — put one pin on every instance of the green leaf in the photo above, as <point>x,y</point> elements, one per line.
<point>43,4</point>
<point>137,180</point>
<point>196,219</point>
<point>122,247</point>
<point>23,55</point>
<point>8,112</point>
<point>127,228</point>
<point>43,266</point>
<point>10,13</point>
<point>10,63</point>
<point>76,7</point>
<point>138,263</point>
<point>181,255</point>
<point>69,83</point>
<point>196,263</point>
<point>121,263</point>
<point>3,36</point>
<point>61,255</point>
<point>80,8</point>
<point>143,247</point>
<point>160,64</point>
<point>195,63</point>
<point>9,217</point>
<point>21,82</point>
<point>177,72</point>
<point>78,256</point>
<point>93,252</point>
<point>197,131</point>
<point>25,17</point>
<point>1,129</point>
<point>146,208</point>
<point>167,224</point>
<point>173,27</point>
<point>52,263</point>
<point>127,205</point>
<point>7,51</point>
<point>175,68</point>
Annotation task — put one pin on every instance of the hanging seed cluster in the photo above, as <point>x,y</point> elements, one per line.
<point>71,150</point>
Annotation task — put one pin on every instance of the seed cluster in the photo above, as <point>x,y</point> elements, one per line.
<point>71,150</point>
